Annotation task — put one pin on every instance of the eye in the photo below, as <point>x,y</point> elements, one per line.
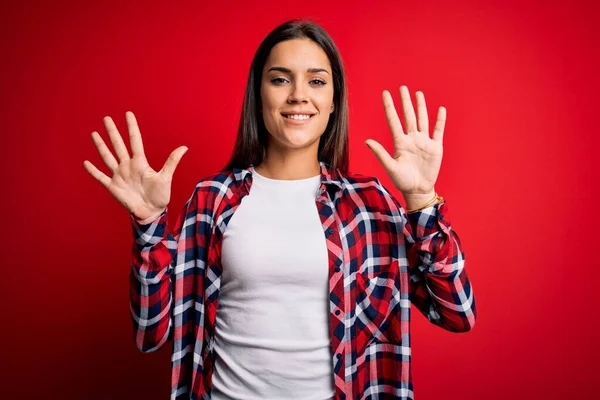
<point>319,82</point>
<point>278,81</point>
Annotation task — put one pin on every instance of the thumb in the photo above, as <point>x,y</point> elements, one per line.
<point>172,161</point>
<point>382,155</point>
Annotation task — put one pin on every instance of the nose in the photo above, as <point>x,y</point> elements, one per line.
<point>298,93</point>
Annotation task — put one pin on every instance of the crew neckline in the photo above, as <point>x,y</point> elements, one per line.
<point>285,181</point>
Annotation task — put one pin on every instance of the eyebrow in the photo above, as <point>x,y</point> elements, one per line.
<point>289,71</point>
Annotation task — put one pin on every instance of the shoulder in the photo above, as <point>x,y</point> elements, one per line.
<point>359,182</point>
<point>369,190</point>
<point>210,190</point>
<point>219,181</point>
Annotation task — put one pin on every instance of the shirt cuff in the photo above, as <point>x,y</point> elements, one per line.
<point>147,235</point>
<point>429,220</point>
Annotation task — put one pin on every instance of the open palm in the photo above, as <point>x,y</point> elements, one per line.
<point>415,164</point>
<point>143,191</point>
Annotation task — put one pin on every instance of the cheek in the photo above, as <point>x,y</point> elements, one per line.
<point>267,108</point>
<point>270,97</point>
<point>325,102</point>
<point>270,117</point>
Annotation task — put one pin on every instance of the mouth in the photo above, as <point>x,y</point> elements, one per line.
<point>297,117</point>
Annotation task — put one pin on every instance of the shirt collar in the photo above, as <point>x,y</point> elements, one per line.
<point>329,175</point>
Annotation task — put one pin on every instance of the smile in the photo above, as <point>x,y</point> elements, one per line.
<point>298,117</point>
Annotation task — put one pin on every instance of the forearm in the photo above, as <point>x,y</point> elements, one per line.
<point>150,307</point>
<point>149,284</point>
<point>441,288</point>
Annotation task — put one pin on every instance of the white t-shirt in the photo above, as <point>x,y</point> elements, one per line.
<point>272,337</point>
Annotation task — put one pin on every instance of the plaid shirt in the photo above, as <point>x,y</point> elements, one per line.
<point>381,260</point>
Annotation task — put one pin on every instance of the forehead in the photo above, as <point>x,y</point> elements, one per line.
<point>298,55</point>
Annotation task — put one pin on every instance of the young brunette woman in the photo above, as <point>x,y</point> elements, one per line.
<point>286,276</point>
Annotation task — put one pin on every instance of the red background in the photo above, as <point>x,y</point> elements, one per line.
<point>520,83</point>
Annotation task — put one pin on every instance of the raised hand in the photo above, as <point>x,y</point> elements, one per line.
<point>417,158</point>
<point>144,192</point>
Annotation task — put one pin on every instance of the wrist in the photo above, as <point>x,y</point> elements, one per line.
<point>144,221</point>
<point>417,201</point>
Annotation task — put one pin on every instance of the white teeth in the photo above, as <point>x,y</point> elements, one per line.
<point>297,116</point>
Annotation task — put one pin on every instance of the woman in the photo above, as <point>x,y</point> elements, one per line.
<point>286,276</point>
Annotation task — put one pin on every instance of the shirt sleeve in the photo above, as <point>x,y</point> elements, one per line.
<point>151,277</point>
<point>439,285</point>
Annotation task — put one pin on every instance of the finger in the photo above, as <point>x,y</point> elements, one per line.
<point>96,173</point>
<point>438,131</point>
<point>107,156</point>
<point>116,139</point>
<point>169,168</point>
<point>422,113</point>
<point>135,136</point>
<point>407,108</point>
<point>391,115</point>
<point>382,155</point>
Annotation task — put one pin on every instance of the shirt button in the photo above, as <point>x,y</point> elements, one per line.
<point>330,231</point>
<point>338,356</point>
<point>337,312</point>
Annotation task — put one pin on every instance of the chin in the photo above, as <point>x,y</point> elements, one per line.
<point>298,140</point>
<point>297,144</point>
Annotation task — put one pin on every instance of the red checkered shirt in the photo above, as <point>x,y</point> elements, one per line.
<point>381,260</point>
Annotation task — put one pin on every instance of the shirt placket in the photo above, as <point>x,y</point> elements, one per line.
<point>215,248</point>
<point>340,345</point>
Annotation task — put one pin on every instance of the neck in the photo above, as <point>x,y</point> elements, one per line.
<point>290,165</point>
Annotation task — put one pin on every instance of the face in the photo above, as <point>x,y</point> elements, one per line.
<point>296,94</point>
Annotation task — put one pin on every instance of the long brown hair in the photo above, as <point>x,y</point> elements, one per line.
<point>251,142</point>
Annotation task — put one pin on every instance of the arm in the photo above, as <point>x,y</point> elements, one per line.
<point>144,192</point>
<point>152,274</point>
<point>439,285</point>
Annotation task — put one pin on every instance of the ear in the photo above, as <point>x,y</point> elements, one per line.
<point>332,107</point>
